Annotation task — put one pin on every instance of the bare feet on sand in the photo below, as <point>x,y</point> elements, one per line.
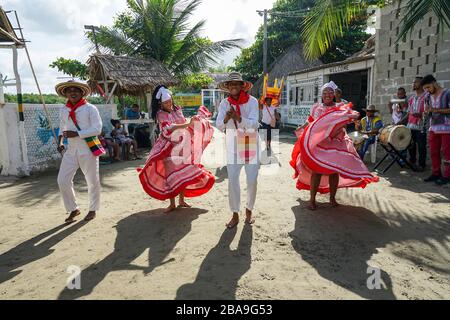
<point>334,203</point>
<point>233,222</point>
<point>170,208</point>
<point>249,219</point>
<point>312,205</point>
<point>183,204</point>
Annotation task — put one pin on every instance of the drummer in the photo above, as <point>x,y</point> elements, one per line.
<point>370,125</point>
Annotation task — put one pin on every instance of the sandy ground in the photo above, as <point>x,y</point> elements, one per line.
<point>134,251</point>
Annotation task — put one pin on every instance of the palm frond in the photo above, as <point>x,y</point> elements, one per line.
<point>204,56</point>
<point>325,23</point>
<point>417,9</point>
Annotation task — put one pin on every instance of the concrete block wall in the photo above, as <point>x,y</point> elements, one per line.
<point>420,53</point>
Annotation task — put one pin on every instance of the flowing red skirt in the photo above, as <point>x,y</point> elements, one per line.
<point>174,167</point>
<point>323,147</point>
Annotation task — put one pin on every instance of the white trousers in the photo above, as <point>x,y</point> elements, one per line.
<point>234,187</point>
<point>89,165</point>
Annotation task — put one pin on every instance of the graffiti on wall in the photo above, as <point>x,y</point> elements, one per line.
<point>41,143</point>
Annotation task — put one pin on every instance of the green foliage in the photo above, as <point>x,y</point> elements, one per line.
<point>73,68</point>
<point>33,98</point>
<point>329,18</point>
<point>284,31</point>
<point>418,8</point>
<point>221,68</point>
<point>161,29</point>
<point>194,83</point>
<point>353,40</point>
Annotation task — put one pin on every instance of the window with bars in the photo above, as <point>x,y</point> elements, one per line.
<point>284,95</point>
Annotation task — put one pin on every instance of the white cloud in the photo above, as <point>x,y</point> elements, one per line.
<point>55,28</point>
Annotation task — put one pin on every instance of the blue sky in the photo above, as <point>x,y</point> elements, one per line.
<point>56,29</point>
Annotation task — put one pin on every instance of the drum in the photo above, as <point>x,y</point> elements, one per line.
<point>358,138</point>
<point>398,136</point>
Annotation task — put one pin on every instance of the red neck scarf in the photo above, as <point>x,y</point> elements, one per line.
<point>243,99</point>
<point>72,108</point>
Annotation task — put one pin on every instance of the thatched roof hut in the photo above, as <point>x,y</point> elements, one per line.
<point>292,60</point>
<point>7,33</point>
<point>127,75</point>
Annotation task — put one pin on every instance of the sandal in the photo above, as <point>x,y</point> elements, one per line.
<point>72,216</point>
<point>90,216</point>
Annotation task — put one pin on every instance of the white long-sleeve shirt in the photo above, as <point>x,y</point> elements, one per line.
<point>249,115</point>
<point>90,123</point>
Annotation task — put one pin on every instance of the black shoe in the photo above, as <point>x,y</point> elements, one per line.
<point>442,181</point>
<point>432,178</point>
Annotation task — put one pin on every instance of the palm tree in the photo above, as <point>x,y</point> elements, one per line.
<point>325,22</point>
<point>160,29</point>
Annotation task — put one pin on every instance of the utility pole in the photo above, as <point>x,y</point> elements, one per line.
<point>264,14</point>
<point>93,29</point>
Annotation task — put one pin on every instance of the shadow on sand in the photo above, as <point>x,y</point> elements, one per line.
<point>221,269</point>
<point>151,230</point>
<point>339,243</point>
<point>33,250</point>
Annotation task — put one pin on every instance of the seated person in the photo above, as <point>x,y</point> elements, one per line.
<point>369,125</point>
<point>139,131</point>
<point>108,143</point>
<point>123,139</point>
<point>132,113</point>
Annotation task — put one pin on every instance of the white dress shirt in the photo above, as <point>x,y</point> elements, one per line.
<point>90,123</point>
<point>266,116</point>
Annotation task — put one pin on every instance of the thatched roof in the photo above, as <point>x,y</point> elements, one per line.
<point>291,60</point>
<point>7,33</point>
<point>134,76</point>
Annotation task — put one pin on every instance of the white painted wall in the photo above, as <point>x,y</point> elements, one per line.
<point>41,146</point>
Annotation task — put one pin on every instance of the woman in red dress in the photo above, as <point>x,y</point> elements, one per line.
<point>324,158</point>
<point>173,167</point>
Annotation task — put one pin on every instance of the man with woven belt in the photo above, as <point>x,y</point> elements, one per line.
<point>80,124</point>
<point>239,115</point>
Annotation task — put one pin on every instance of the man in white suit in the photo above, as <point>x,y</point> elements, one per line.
<point>238,116</point>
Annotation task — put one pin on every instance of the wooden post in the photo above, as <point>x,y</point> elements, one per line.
<point>22,137</point>
<point>2,94</point>
<point>112,93</point>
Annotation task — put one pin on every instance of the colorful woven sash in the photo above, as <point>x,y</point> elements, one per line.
<point>93,142</point>
<point>247,145</point>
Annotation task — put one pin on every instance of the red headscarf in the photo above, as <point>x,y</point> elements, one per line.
<point>73,108</point>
